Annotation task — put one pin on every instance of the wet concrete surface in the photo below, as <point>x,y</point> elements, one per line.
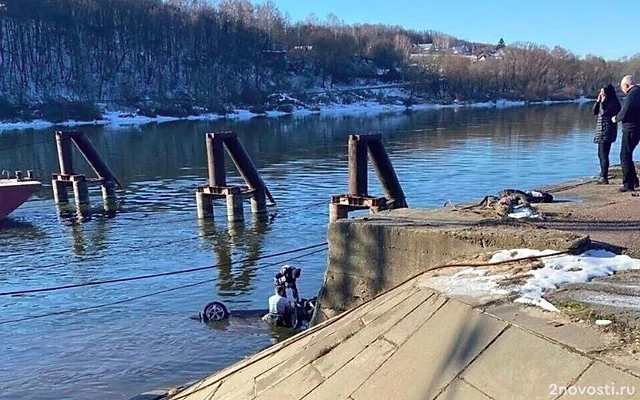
<point>617,296</point>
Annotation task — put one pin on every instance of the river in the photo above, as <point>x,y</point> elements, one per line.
<point>121,350</point>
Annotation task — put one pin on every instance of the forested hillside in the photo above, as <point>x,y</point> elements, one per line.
<point>169,56</point>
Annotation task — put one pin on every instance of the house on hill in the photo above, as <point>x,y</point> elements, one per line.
<point>461,50</point>
<point>422,50</point>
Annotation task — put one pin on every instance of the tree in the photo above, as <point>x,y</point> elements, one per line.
<point>500,44</point>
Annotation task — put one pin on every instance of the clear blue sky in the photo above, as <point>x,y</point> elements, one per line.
<point>609,28</point>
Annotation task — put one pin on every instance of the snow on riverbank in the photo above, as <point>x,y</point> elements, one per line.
<point>556,271</point>
<point>116,119</point>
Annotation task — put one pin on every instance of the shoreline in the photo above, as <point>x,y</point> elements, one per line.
<point>119,119</point>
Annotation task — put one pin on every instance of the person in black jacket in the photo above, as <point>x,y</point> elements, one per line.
<point>629,115</point>
<point>606,107</point>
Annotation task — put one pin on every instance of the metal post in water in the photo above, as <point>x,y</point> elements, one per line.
<point>243,163</point>
<point>386,174</point>
<point>65,156</point>
<point>358,165</point>
<point>108,190</point>
<point>109,195</point>
<point>93,157</point>
<point>215,160</point>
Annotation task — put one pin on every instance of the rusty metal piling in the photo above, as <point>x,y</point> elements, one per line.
<point>358,198</point>
<point>217,188</point>
<point>67,177</point>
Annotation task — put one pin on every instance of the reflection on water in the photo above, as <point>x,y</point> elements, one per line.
<point>238,239</point>
<point>439,155</point>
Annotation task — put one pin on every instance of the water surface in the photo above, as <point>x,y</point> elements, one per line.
<point>124,349</point>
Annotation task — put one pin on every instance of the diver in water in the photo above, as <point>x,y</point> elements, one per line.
<point>287,278</point>
<point>281,308</point>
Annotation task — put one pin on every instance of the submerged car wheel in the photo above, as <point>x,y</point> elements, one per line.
<point>215,311</point>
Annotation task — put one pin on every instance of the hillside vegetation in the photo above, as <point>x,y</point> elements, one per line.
<point>59,58</point>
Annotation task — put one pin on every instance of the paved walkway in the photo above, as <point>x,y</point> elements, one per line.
<point>414,343</point>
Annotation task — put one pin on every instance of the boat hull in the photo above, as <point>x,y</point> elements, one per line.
<point>14,193</point>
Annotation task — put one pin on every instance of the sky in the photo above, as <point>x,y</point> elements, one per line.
<point>609,28</point>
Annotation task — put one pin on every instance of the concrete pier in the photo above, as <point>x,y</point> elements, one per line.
<point>370,255</point>
<point>235,210</point>
<point>60,195</point>
<point>358,197</point>
<point>80,189</point>
<point>204,205</point>
<point>79,183</point>
<point>259,202</point>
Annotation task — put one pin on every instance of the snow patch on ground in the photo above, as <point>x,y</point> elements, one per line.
<point>469,282</point>
<point>574,269</point>
<point>556,271</point>
<point>520,212</point>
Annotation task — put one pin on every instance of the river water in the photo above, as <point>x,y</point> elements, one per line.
<point>120,350</point>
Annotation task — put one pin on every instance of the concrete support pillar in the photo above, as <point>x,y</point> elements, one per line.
<point>80,190</point>
<point>60,195</point>
<point>109,195</point>
<point>235,212</point>
<point>204,205</point>
<point>108,191</point>
<point>259,202</point>
<point>338,211</point>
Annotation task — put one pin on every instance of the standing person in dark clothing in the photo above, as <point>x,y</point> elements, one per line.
<point>630,118</point>
<point>606,107</point>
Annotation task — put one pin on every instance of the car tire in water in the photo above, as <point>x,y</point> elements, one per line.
<point>215,311</point>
